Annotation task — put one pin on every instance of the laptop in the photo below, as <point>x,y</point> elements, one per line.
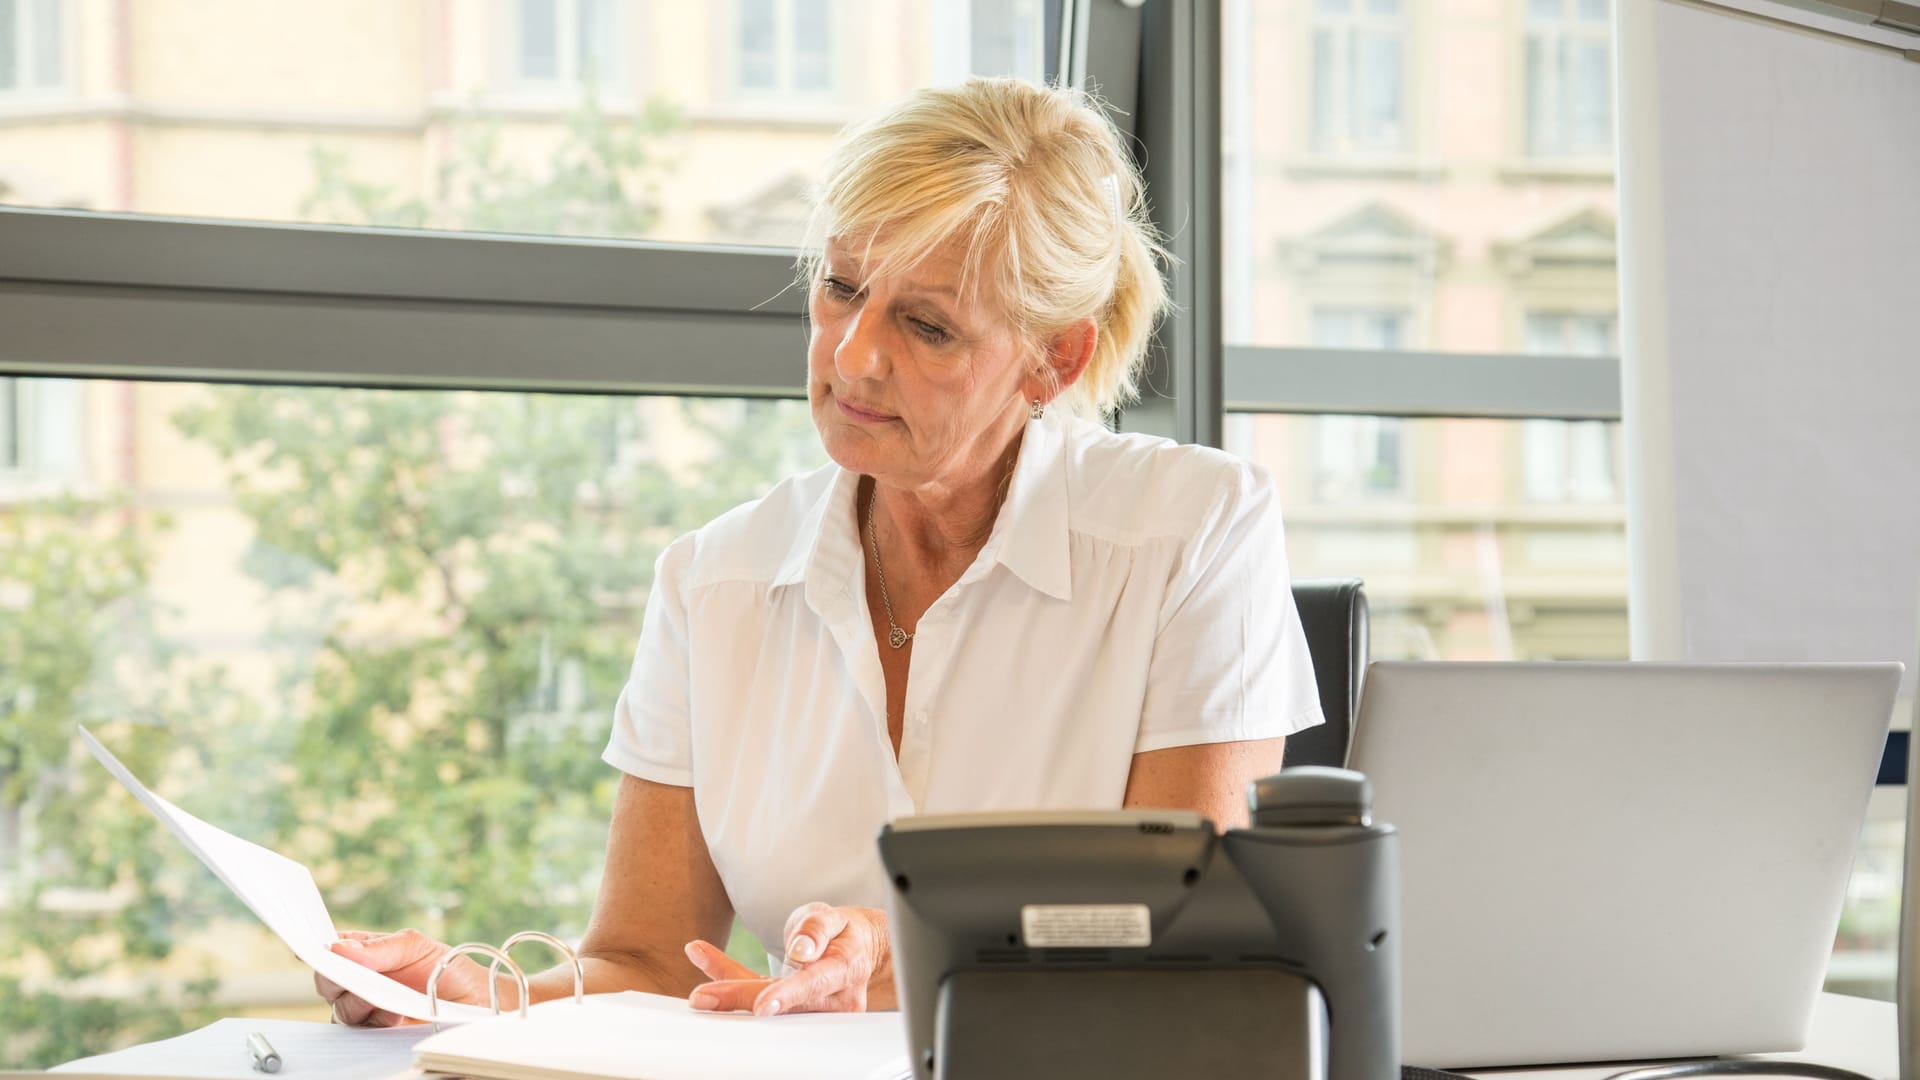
<point>1606,862</point>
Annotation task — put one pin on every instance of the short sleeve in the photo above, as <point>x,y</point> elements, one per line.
<point>1230,660</point>
<point>653,721</point>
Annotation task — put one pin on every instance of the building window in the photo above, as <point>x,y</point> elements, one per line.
<point>32,51</point>
<point>1570,461</point>
<point>784,47</point>
<point>1569,78</point>
<point>12,454</point>
<point>1359,77</point>
<point>1359,457</point>
<point>565,43</point>
<point>1006,37</point>
<point>39,429</point>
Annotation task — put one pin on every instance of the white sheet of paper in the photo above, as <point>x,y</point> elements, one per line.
<point>307,1051</point>
<point>282,893</point>
<point>635,1036</point>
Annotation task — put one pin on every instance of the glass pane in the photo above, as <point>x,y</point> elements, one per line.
<point>812,44</point>
<point>48,68</point>
<point>380,631</point>
<point>1007,36</point>
<point>1378,70</point>
<point>539,44</point>
<point>9,48</point>
<point>1462,559</point>
<point>469,114</point>
<point>1865,952</point>
<point>1590,96</point>
<point>595,50</point>
<point>759,45</point>
<point>1420,163</point>
<point>9,423</point>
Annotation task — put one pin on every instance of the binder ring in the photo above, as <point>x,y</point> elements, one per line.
<point>493,988</point>
<point>579,971</point>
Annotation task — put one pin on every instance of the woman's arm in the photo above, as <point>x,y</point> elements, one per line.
<point>660,892</point>
<point>1210,777</point>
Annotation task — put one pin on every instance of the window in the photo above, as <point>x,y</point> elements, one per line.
<point>1359,78</point>
<point>1004,37</point>
<point>39,434</point>
<point>678,122</point>
<point>566,44</point>
<point>1375,364</point>
<point>784,46</point>
<point>1359,456</point>
<point>11,452</point>
<point>32,48</point>
<point>1569,64</point>
<point>379,630</point>
<point>1578,461</point>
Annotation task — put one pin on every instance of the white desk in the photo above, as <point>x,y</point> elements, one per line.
<point>1848,1033</point>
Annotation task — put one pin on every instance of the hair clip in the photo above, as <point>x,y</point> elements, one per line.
<point>1111,182</point>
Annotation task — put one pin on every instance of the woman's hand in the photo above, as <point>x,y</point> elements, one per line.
<point>407,957</point>
<point>840,957</point>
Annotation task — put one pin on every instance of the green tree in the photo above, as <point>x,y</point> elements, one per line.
<point>76,645</point>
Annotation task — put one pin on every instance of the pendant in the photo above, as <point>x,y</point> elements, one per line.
<point>897,637</point>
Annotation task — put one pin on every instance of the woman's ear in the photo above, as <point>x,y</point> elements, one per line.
<point>1068,354</point>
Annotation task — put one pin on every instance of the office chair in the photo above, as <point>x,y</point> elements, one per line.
<point>1333,612</point>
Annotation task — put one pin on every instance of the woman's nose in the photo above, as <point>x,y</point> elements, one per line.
<point>862,351</point>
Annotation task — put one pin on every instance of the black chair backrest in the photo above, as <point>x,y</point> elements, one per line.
<point>1333,612</point>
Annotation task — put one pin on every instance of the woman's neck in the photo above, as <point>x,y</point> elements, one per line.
<point>941,526</point>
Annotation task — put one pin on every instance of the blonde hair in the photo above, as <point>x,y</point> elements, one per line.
<point>1036,184</point>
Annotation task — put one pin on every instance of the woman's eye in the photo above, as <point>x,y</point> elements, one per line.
<point>837,289</point>
<point>928,332</point>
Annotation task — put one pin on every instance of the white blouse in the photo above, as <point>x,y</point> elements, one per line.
<point>1132,596</point>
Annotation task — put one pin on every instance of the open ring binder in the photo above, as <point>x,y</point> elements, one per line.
<point>500,957</point>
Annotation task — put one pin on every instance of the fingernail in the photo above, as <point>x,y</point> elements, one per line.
<point>802,948</point>
<point>704,1001</point>
<point>350,943</point>
<point>773,1007</point>
<point>693,953</point>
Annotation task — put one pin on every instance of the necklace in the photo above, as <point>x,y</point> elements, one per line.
<point>896,637</point>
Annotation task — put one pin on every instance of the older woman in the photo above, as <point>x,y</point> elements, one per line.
<point>987,601</point>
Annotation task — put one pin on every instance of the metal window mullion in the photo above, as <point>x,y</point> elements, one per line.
<point>108,331</point>
<point>1178,128</point>
<point>1397,383</point>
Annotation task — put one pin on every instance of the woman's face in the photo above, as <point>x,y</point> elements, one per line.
<point>911,379</point>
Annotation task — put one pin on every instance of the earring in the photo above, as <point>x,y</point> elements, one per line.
<point>1038,410</point>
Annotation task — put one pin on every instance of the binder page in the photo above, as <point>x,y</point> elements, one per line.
<point>282,893</point>
<point>307,1050</point>
<point>635,1036</point>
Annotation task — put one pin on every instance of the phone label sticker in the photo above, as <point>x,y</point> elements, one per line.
<point>1086,926</point>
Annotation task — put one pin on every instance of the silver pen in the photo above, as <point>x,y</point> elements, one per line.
<point>264,1057</point>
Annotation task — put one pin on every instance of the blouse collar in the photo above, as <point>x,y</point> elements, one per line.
<point>1029,536</point>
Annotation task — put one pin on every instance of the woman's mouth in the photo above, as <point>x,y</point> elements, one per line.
<point>862,414</point>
